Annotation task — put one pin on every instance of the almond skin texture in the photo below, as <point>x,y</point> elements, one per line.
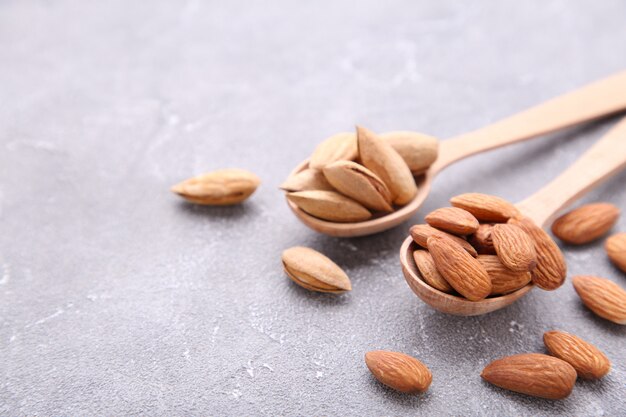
<point>309,179</point>
<point>602,296</point>
<point>378,156</point>
<point>453,220</point>
<point>329,205</point>
<point>485,207</point>
<point>462,271</point>
<point>551,267</point>
<point>224,187</point>
<point>588,360</point>
<point>421,232</point>
<point>514,247</point>
<point>360,184</point>
<point>314,271</point>
<point>482,241</point>
<point>532,374</point>
<point>339,147</point>
<point>586,223</point>
<point>426,265</point>
<point>503,280</point>
<point>418,150</point>
<point>616,249</point>
<point>401,372</point>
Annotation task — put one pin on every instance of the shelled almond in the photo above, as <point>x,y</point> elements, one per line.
<point>368,175</point>
<point>478,260</point>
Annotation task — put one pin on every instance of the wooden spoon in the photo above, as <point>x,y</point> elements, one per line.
<point>606,158</point>
<point>593,101</point>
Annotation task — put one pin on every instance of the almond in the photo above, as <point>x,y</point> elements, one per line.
<point>421,232</point>
<point>418,150</point>
<point>616,249</point>
<point>220,188</point>
<point>602,296</point>
<point>329,205</point>
<point>426,265</point>
<point>481,240</point>
<point>339,147</point>
<point>360,184</point>
<point>453,220</point>
<point>314,271</point>
<point>551,267</point>
<point>462,271</point>
<point>308,179</point>
<point>503,280</point>
<point>514,247</point>
<point>586,223</point>
<point>401,372</point>
<point>485,207</point>
<point>378,156</point>
<point>588,360</point>
<point>532,374</point>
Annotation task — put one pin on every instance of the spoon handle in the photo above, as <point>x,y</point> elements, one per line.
<point>592,101</point>
<point>603,160</point>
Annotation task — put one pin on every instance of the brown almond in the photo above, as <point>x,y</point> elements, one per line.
<point>218,188</point>
<point>514,247</point>
<point>602,296</point>
<point>401,372</point>
<point>308,179</point>
<point>378,156</point>
<point>588,360</point>
<point>421,232</point>
<point>360,184</point>
<point>314,271</point>
<point>453,220</point>
<point>586,223</point>
<point>616,249</point>
<point>418,150</point>
<point>462,271</point>
<point>551,267</point>
<point>426,265</point>
<point>485,207</point>
<point>339,147</point>
<point>329,205</point>
<point>503,280</point>
<point>481,240</point>
<point>532,374</point>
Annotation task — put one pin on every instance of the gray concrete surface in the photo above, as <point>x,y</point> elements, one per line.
<point>118,299</point>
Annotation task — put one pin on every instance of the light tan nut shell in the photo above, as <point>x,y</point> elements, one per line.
<point>485,207</point>
<point>314,271</point>
<point>329,205</point>
<point>586,223</point>
<point>588,360</point>
<point>426,265</point>
<point>503,280</point>
<point>401,372</point>
<point>453,220</point>
<point>339,147</point>
<point>378,156</point>
<point>602,296</point>
<point>220,188</point>
<point>418,150</point>
<point>360,184</point>
<point>308,179</point>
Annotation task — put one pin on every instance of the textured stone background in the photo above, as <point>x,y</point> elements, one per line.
<point>118,299</point>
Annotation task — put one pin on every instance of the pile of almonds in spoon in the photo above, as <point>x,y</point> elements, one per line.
<point>353,177</point>
<point>482,247</point>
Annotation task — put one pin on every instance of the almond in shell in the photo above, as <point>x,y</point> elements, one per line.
<point>360,184</point>
<point>588,360</point>
<point>514,247</point>
<point>329,205</point>
<point>314,271</point>
<point>503,280</point>
<point>602,296</point>
<point>220,188</point>
<point>421,232</point>
<point>308,179</point>
<point>532,374</point>
<point>586,223</point>
<point>460,269</point>
<point>339,147</point>
<point>452,220</point>
<point>418,150</point>
<point>426,265</point>
<point>485,207</point>
<point>378,156</point>
<point>401,372</point>
<point>616,249</point>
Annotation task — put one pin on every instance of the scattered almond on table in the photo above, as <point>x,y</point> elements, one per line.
<point>399,371</point>
<point>218,188</point>
<point>588,360</point>
<point>314,271</point>
<point>616,250</point>
<point>602,296</point>
<point>352,177</point>
<point>586,223</point>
